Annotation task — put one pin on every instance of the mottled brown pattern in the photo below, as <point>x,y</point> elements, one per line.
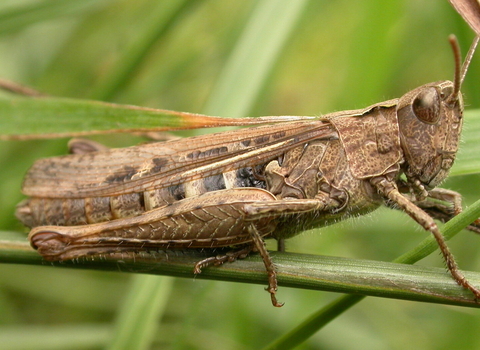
<point>371,140</point>
<point>331,160</point>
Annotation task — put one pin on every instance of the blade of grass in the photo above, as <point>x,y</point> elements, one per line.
<point>315,272</point>
<point>38,118</point>
<point>138,318</point>
<point>314,323</point>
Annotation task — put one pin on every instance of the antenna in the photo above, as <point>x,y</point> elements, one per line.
<point>457,56</point>
<point>468,59</point>
<point>460,70</point>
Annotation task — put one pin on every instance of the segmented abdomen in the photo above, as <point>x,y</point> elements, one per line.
<point>71,212</point>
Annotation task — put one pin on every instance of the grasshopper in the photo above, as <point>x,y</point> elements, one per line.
<point>237,188</point>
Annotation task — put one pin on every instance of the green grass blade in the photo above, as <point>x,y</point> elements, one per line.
<point>24,118</point>
<point>327,273</point>
<point>138,318</point>
<point>50,117</point>
<point>314,323</point>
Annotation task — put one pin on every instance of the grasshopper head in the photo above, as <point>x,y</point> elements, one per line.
<point>430,122</point>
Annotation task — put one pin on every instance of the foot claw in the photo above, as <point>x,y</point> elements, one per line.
<point>274,301</point>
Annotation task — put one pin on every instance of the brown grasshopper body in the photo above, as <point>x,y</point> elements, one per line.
<point>237,188</point>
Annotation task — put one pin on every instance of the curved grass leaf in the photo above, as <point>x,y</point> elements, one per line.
<point>53,117</point>
<point>43,118</point>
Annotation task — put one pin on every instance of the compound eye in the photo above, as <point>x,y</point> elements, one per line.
<point>426,106</point>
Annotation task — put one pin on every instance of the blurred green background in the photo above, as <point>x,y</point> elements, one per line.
<point>328,56</point>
